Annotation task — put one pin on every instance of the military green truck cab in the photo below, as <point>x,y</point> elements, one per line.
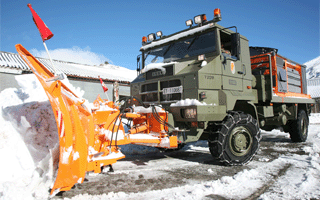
<point>203,77</point>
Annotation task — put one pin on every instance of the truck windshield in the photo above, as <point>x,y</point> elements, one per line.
<point>196,45</point>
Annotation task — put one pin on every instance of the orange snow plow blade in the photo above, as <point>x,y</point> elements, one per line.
<point>74,122</point>
<point>88,137</point>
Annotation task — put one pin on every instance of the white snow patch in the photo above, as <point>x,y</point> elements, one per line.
<point>141,109</point>
<point>76,156</point>
<point>112,155</point>
<point>80,180</point>
<point>160,66</point>
<point>66,154</point>
<point>141,136</point>
<point>92,151</point>
<point>189,102</point>
<point>115,136</point>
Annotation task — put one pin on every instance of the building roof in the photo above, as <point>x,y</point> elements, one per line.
<point>13,63</point>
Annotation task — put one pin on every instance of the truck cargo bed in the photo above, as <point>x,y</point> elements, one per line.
<point>278,78</point>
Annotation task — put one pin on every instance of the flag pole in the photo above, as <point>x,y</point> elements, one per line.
<point>54,69</point>
<point>45,33</point>
<point>104,87</point>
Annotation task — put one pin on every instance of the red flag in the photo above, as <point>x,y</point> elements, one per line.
<point>103,85</point>
<point>45,33</point>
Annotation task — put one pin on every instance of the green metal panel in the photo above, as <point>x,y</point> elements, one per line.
<point>233,96</point>
<point>190,81</point>
<point>263,86</point>
<point>211,113</point>
<point>265,111</point>
<point>231,83</point>
<point>212,97</point>
<point>190,93</point>
<point>209,81</point>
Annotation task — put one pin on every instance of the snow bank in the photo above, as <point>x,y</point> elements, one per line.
<point>28,141</point>
<point>314,118</point>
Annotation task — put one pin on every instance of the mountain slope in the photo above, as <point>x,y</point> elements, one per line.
<point>313,68</point>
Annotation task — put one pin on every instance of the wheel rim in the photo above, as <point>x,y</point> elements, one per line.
<point>240,141</point>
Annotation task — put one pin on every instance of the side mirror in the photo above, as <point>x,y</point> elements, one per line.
<point>138,65</point>
<point>235,45</point>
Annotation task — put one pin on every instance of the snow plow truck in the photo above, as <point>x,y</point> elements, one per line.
<point>202,83</point>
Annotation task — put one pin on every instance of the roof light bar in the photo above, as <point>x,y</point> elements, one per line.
<point>200,19</point>
<point>159,34</point>
<point>189,22</point>
<point>144,39</point>
<point>217,15</point>
<point>217,12</point>
<point>151,37</point>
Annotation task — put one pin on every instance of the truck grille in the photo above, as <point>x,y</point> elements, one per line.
<point>151,92</point>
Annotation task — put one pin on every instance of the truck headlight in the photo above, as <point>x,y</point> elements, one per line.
<point>190,113</point>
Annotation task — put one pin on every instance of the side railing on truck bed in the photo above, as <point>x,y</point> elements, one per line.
<point>287,77</point>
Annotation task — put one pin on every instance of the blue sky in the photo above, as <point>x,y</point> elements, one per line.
<point>112,30</point>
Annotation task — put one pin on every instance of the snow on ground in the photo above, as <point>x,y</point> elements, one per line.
<point>28,134</point>
<point>290,176</point>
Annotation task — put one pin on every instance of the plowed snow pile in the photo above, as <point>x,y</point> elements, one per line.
<point>28,137</point>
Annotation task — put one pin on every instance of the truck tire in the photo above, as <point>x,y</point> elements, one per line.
<point>298,129</point>
<point>236,140</point>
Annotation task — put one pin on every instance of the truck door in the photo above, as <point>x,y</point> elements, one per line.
<point>231,64</point>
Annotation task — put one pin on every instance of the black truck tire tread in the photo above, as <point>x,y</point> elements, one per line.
<point>295,128</point>
<point>218,139</point>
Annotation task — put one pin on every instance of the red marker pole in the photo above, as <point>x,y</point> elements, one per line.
<point>104,87</point>
<point>45,32</point>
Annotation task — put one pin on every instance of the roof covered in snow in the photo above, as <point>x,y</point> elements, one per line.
<point>13,63</point>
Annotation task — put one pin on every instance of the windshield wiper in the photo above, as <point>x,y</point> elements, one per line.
<point>167,49</point>
<point>193,42</point>
<point>146,56</point>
